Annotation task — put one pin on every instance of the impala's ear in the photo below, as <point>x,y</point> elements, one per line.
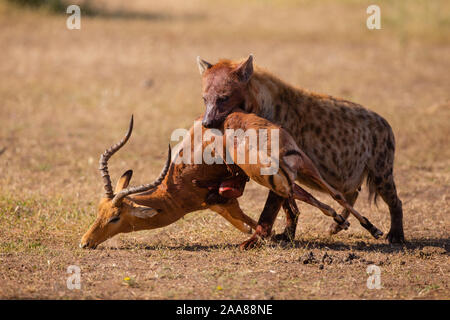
<point>124,181</point>
<point>245,70</point>
<point>203,65</point>
<point>144,212</point>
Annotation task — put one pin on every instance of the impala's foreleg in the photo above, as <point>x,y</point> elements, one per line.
<point>351,199</point>
<point>232,212</point>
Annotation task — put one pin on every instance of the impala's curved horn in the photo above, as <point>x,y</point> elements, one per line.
<point>104,161</point>
<point>117,200</point>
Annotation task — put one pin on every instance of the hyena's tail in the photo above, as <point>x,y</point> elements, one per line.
<point>370,182</point>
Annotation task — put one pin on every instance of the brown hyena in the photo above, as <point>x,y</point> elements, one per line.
<point>345,141</point>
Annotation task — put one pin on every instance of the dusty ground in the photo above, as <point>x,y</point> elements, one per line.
<point>66,95</point>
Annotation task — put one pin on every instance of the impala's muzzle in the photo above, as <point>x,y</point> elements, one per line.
<point>88,245</point>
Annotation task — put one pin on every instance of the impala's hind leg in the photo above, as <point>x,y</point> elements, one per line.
<point>351,199</point>
<point>308,169</point>
<point>302,195</point>
<point>291,210</point>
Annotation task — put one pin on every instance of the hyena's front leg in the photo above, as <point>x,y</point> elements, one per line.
<point>292,212</point>
<point>266,220</point>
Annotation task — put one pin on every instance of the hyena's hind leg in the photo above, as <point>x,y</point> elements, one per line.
<point>389,194</point>
<point>385,187</point>
<point>351,199</point>
<point>380,180</point>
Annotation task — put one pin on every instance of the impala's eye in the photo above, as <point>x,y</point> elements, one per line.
<point>114,219</point>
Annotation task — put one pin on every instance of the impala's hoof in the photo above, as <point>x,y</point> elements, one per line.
<point>377,233</point>
<point>248,229</point>
<point>337,226</point>
<point>374,231</point>
<point>334,228</point>
<point>344,225</point>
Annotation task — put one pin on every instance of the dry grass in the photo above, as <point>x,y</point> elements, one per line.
<point>66,95</point>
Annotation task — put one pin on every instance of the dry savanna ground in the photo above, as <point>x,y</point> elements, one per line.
<point>66,95</point>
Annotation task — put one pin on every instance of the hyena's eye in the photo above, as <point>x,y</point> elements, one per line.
<point>222,99</point>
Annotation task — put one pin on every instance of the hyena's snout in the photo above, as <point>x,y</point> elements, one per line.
<point>213,118</point>
<point>210,120</point>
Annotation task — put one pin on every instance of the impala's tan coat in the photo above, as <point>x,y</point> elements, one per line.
<point>178,190</point>
<point>164,204</point>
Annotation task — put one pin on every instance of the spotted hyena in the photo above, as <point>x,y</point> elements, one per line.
<point>347,142</point>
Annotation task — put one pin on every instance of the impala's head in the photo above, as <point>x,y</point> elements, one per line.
<point>117,214</point>
<point>223,88</point>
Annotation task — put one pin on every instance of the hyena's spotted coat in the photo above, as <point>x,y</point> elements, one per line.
<point>346,142</point>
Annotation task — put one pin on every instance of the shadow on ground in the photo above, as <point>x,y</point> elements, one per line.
<point>308,244</point>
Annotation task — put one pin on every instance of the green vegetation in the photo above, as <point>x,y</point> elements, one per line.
<point>51,5</point>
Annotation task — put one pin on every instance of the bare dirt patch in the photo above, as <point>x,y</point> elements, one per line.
<point>66,95</point>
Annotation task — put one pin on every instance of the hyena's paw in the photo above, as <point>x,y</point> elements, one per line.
<point>287,236</point>
<point>396,237</point>
<point>282,237</point>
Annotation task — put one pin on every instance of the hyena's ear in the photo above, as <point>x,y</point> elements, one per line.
<point>203,65</point>
<point>245,70</point>
<point>124,181</point>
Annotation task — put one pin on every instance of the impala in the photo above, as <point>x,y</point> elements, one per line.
<point>182,188</point>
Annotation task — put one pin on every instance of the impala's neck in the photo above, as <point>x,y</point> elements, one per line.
<point>157,198</point>
<point>162,209</point>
